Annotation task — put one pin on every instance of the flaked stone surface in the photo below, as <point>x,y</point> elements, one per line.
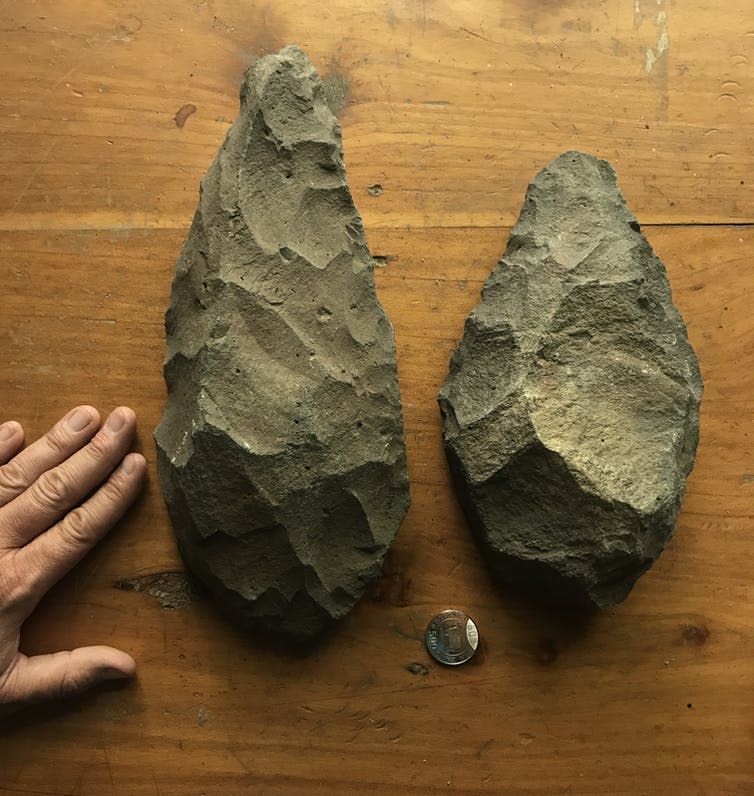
<point>281,452</point>
<point>571,409</point>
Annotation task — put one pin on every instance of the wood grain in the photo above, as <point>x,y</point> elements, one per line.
<point>452,107</point>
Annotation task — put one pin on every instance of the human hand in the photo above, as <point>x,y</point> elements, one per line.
<point>58,498</point>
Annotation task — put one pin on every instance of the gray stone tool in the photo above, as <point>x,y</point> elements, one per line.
<point>281,452</point>
<point>571,409</point>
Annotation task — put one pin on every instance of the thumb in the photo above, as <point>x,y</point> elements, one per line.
<point>64,673</point>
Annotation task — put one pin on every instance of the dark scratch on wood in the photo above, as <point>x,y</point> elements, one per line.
<point>183,113</point>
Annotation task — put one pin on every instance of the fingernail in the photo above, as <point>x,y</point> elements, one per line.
<point>7,430</point>
<point>130,462</point>
<point>79,420</point>
<point>113,674</point>
<point>116,421</point>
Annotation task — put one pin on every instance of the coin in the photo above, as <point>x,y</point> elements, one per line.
<point>452,637</point>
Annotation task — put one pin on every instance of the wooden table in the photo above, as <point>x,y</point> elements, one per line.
<point>110,112</point>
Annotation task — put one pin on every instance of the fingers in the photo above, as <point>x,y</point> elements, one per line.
<point>59,489</point>
<point>11,439</point>
<point>42,562</point>
<point>64,673</point>
<point>61,441</point>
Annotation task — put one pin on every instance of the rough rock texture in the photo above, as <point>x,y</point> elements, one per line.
<point>281,451</point>
<point>571,410</point>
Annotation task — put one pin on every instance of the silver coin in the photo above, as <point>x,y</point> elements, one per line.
<point>452,637</point>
